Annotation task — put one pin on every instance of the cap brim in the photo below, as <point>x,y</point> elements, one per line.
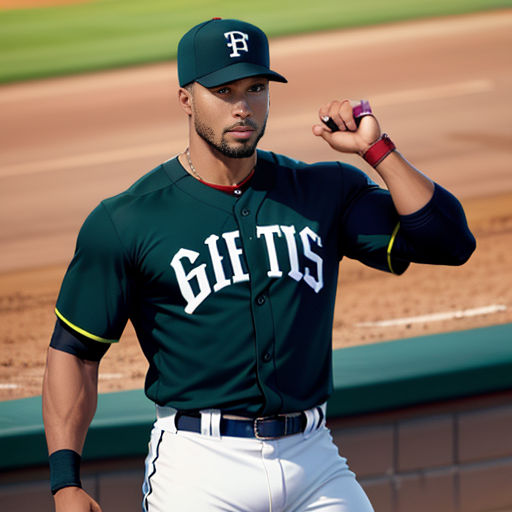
<point>237,72</point>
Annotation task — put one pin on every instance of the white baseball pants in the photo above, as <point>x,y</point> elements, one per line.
<point>189,472</point>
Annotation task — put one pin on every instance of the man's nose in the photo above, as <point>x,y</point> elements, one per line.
<point>241,109</point>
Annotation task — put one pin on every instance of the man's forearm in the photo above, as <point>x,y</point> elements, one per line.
<point>410,189</point>
<point>69,400</point>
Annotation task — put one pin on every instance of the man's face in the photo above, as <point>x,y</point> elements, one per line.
<point>232,117</point>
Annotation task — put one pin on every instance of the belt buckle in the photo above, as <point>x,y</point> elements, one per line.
<point>269,438</point>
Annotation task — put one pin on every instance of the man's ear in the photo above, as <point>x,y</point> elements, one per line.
<point>185,99</point>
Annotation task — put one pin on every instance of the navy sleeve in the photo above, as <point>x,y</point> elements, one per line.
<point>437,234</point>
<point>67,340</point>
<point>376,235</point>
<point>369,224</point>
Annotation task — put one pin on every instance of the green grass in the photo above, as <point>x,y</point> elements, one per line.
<point>36,43</point>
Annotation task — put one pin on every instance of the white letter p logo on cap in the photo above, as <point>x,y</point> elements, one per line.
<point>237,42</point>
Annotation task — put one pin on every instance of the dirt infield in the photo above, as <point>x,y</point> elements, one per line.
<point>439,88</point>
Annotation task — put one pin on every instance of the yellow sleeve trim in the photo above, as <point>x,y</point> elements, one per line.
<point>390,246</point>
<point>82,331</point>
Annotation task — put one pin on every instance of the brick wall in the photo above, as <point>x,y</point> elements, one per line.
<point>450,457</point>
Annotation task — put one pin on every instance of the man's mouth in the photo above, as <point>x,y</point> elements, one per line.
<point>241,132</point>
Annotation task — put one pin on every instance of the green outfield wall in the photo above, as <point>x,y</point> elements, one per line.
<point>425,423</point>
<point>367,379</point>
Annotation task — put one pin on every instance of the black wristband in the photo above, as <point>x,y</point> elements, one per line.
<point>64,469</point>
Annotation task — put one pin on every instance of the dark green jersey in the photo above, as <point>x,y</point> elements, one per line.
<point>232,297</point>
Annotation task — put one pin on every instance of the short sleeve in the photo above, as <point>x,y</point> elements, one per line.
<point>94,296</point>
<point>370,225</point>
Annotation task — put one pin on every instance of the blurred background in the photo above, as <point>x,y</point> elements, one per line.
<point>88,105</point>
<point>41,38</point>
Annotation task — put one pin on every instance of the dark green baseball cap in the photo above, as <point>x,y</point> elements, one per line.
<point>219,51</point>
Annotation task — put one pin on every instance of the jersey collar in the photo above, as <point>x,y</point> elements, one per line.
<point>262,180</point>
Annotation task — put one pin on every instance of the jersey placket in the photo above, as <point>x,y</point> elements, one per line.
<point>245,212</point>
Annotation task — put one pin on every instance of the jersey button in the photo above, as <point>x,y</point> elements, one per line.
<point>260,300</point>
<point>245,212</point>
<point>237,192</point>
<point>267,357</point>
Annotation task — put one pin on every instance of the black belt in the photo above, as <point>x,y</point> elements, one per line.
<point>269,427</point>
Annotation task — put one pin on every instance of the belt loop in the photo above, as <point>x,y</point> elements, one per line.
<point>323,414</point>
<point>311,421</point>
<point>206,420</point>
<point>210,422</point>
<point>315,419</point>
<point>215,423</point>
<point>166,419</point>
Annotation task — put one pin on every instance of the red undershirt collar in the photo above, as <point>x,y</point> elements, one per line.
<point>230,189</point>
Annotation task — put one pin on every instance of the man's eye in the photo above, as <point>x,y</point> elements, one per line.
<point>223,90</point>
<point>258,88</point>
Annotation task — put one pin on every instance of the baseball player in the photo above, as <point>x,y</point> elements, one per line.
<point>225,259</point>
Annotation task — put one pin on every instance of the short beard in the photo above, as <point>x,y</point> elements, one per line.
<point>245,150</point>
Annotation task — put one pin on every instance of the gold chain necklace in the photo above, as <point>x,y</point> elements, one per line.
<point>191,165</point>
<point>197,175</point>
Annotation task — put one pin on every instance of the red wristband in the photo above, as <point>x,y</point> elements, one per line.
<point>379,150</point>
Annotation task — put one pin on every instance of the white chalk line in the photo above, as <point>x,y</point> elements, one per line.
<point>8,385</point>
<point>110,376</point>
<point>102,376</point>
<point>436,317</point>
<point>125,154</point>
